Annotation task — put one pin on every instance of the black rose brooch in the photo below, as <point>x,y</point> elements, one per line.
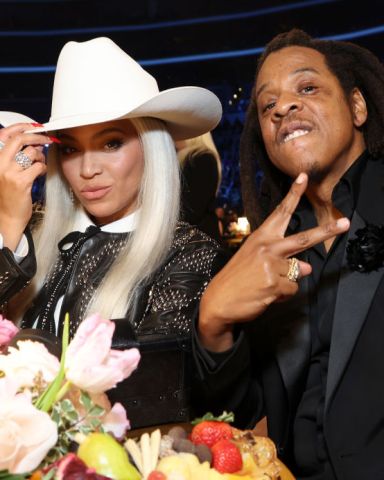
<point>366,252</point>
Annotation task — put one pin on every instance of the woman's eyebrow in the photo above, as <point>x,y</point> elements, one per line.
<point>105,131</point>
<point>109,130</point>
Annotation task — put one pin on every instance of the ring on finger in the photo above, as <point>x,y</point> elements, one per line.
<point>2,145</point>
<point>23,160</point>
<point>293,270</point>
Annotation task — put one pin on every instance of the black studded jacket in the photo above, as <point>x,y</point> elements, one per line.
<point>158,322</point>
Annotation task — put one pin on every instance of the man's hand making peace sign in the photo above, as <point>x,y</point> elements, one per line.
<point>257,275</point>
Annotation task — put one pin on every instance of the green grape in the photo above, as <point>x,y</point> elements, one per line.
<point>103,453</point>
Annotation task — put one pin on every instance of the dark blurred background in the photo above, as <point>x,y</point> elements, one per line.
<point>214,44</point>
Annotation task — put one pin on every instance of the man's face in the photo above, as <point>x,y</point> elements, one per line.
<point>306,122</point>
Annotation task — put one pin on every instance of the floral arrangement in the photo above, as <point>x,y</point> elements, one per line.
<point>46,404</point>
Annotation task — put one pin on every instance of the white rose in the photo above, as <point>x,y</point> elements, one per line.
<point>22,364</point>
<point>26,434</point>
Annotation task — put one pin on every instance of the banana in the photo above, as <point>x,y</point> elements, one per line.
<point>145,452</point>
<point>135,452</point>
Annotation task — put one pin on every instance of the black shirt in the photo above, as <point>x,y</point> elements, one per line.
<point>310,448</point>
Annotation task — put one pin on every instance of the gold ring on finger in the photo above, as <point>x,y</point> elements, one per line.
<point>293,270</point>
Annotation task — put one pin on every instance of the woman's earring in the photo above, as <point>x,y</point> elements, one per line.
<point>71,195</point>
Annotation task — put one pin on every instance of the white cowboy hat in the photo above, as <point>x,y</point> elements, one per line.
<point>96,81</point>
<point>10,118</point>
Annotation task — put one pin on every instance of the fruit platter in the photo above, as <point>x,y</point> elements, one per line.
<point>56,421</point>
<point>212,450</point>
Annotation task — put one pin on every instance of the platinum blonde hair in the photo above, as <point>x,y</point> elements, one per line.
<point>158,201</point>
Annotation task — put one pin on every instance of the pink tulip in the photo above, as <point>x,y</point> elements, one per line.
<point>7,331</point>
<point>90,363</point>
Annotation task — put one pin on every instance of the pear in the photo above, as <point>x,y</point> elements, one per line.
<point>103,453</point>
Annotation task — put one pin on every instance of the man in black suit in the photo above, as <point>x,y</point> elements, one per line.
<point>308,355</point>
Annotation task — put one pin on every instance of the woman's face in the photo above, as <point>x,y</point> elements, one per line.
<point>103,164</point>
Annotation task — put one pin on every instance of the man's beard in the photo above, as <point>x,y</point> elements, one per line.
<point>315,173</point>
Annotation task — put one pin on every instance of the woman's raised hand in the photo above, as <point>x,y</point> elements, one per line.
<point>21,162</point>
<point>257,275</point>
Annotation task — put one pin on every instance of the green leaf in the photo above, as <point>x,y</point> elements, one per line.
<point>55,415</point>
<point>48,397</point>
<point>85,400</point>
<point>67,406</point>
<point>49,475</point>
<point>6,475</point>
<point>95,423</point>
<point>73,417</point>
<point>96,411</point>
<point>85,429</point>
<point>227,417</point>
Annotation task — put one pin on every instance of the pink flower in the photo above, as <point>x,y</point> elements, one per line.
<point>116,422</point>
<point>90,363</point>
<point>26,434</point>
<point>7,331</point>
<point>113,421</point>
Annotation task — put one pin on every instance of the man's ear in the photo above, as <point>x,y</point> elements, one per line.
<point>359,108</point>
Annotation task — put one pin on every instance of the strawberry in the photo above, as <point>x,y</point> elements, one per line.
<point>210,432</point>
<point>209,429</point>
<point>156,475</point>
<point>226,457</point>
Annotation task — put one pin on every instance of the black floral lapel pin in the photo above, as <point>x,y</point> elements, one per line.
<point>365,252</point>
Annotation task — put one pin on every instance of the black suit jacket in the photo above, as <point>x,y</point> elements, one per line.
<point>265,373</point>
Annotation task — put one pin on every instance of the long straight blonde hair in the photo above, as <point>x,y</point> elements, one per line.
<point>147,246</point>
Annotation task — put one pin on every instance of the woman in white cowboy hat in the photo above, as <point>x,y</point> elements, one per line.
<point>110,241</point>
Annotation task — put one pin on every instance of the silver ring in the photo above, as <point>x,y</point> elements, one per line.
<point>294,269</point>
<point>23,160</point>
<point>2,145</point>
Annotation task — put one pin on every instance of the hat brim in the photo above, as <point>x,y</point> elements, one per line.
<point>187,112</point>
<point>10,118</point>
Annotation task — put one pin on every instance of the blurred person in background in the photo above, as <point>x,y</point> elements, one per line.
<point>200,180</point>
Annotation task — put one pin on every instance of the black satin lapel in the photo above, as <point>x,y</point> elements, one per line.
<point>294,347</point>
<point>354,297</point>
